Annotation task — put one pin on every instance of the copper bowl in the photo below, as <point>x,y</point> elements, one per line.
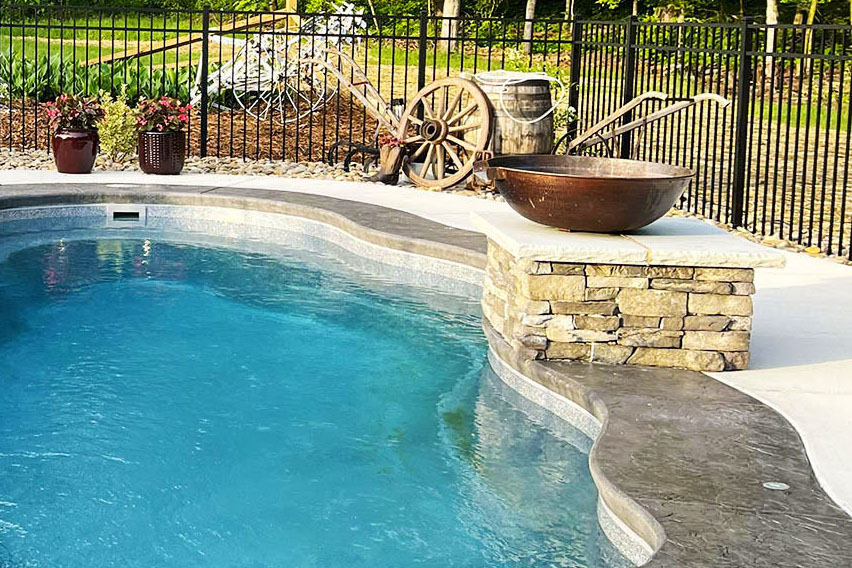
<point>584,193</point>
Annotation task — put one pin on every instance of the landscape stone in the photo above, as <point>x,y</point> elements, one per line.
<point>740,323</point>
<point>702,286</point>
<point>651,302</point>
<point>725,274</point>
<point>706,323</point>
<point>584,308</point>
<point>577,335</point>
<point>574,351</point>
<point>743,288</point>
<point>527,306</point>
<point>601,293</point>
<point>617,270</point>
<point>616,282</point>
<point>716,340</point>
<point>682,358</point>
<point>638,337</point>
<point>672,323</point>
<point>716,304</point>
<point>568,269</point>
<point>641,321</point>
<point>610,354</point>
<point>598,323</point>
<point>681,272</point>
<point>553,287</point>
<point>736,361</point>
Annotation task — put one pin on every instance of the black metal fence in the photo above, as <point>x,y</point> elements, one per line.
<point>775,161</point>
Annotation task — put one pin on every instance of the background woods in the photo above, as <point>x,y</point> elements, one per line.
<point>770,11</point>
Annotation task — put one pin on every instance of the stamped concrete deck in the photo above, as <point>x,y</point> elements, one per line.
<point>690,450</point>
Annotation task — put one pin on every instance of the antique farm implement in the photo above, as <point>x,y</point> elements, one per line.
<point>439,134</point>
<point>605,131</point>
<point>265,76</point>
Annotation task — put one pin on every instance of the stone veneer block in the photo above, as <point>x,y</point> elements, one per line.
<point>583,308</point>
<point>716,340</point>
<point>553,287</point>
<point>616,282</point>
<point>648,299</point>
<point>715,304</point>
<point>681,358</point>
<point>651,302</point>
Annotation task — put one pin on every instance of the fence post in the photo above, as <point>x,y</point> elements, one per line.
<point>741,148</point>
<point>205,36</point>
<point>574,80</point>
<point>629,90</point>
<point>421,50</point>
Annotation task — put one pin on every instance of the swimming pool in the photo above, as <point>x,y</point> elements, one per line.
<point>169,400</point>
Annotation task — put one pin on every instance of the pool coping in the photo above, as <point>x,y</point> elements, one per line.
<point>659,427</point>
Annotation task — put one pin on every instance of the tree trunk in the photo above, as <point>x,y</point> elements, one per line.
<point>528,26</point>
<point>809,33</point>
<point>771,20</point>
<point>450,26</point>
<point>635,10</point>
<point>569,9</point>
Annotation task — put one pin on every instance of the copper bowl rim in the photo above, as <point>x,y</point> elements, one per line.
<point>678,172</point>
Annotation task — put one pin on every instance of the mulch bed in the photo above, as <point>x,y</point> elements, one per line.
<point>229,133</point>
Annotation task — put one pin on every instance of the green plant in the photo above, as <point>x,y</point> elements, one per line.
<point>162,115</point>
<point>118,127</point>
<point>72,112</point>
<point>44,78</point>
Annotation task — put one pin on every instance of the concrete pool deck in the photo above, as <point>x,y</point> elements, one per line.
<point>799,349</point>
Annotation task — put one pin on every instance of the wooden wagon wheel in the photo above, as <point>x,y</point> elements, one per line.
<point>446,128</point>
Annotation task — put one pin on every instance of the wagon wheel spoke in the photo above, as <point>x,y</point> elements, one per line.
<point>428,112</point>
<point>453,156</point>
<point>420,150</point>
<point>412,139</point>
<point>464,127</point>
<point>453,105</point>
<point>463,143</point>
<point>466,111</point>
<point>442,101</point>
<point>427,162</point>
<point>440,164</point>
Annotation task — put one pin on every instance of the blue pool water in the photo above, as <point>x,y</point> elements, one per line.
<point>169,404</point>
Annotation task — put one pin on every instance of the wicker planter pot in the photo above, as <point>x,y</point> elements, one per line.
<point>74,151</point>
<point>162,152</point>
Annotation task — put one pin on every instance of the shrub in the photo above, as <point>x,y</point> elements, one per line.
<point>72,112</point>
<point>118,127</point>
<point>162,115</point>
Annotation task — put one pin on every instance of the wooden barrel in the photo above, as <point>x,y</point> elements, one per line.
<point>526,101</point>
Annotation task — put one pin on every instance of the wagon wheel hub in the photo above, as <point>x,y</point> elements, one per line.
<point>434,130</point>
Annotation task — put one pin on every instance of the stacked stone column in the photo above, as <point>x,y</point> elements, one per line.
<point>671,316</point>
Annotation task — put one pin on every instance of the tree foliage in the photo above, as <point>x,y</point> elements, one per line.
<point>829,11</point>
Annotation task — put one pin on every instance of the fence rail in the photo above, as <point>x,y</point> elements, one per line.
<point>775,162</point>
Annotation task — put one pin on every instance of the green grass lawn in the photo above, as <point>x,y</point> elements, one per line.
<point>72,41</point>
<point>824,116</point>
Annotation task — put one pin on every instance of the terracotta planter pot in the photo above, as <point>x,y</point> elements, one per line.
<point>74,151</point>
<point>162,152</point>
